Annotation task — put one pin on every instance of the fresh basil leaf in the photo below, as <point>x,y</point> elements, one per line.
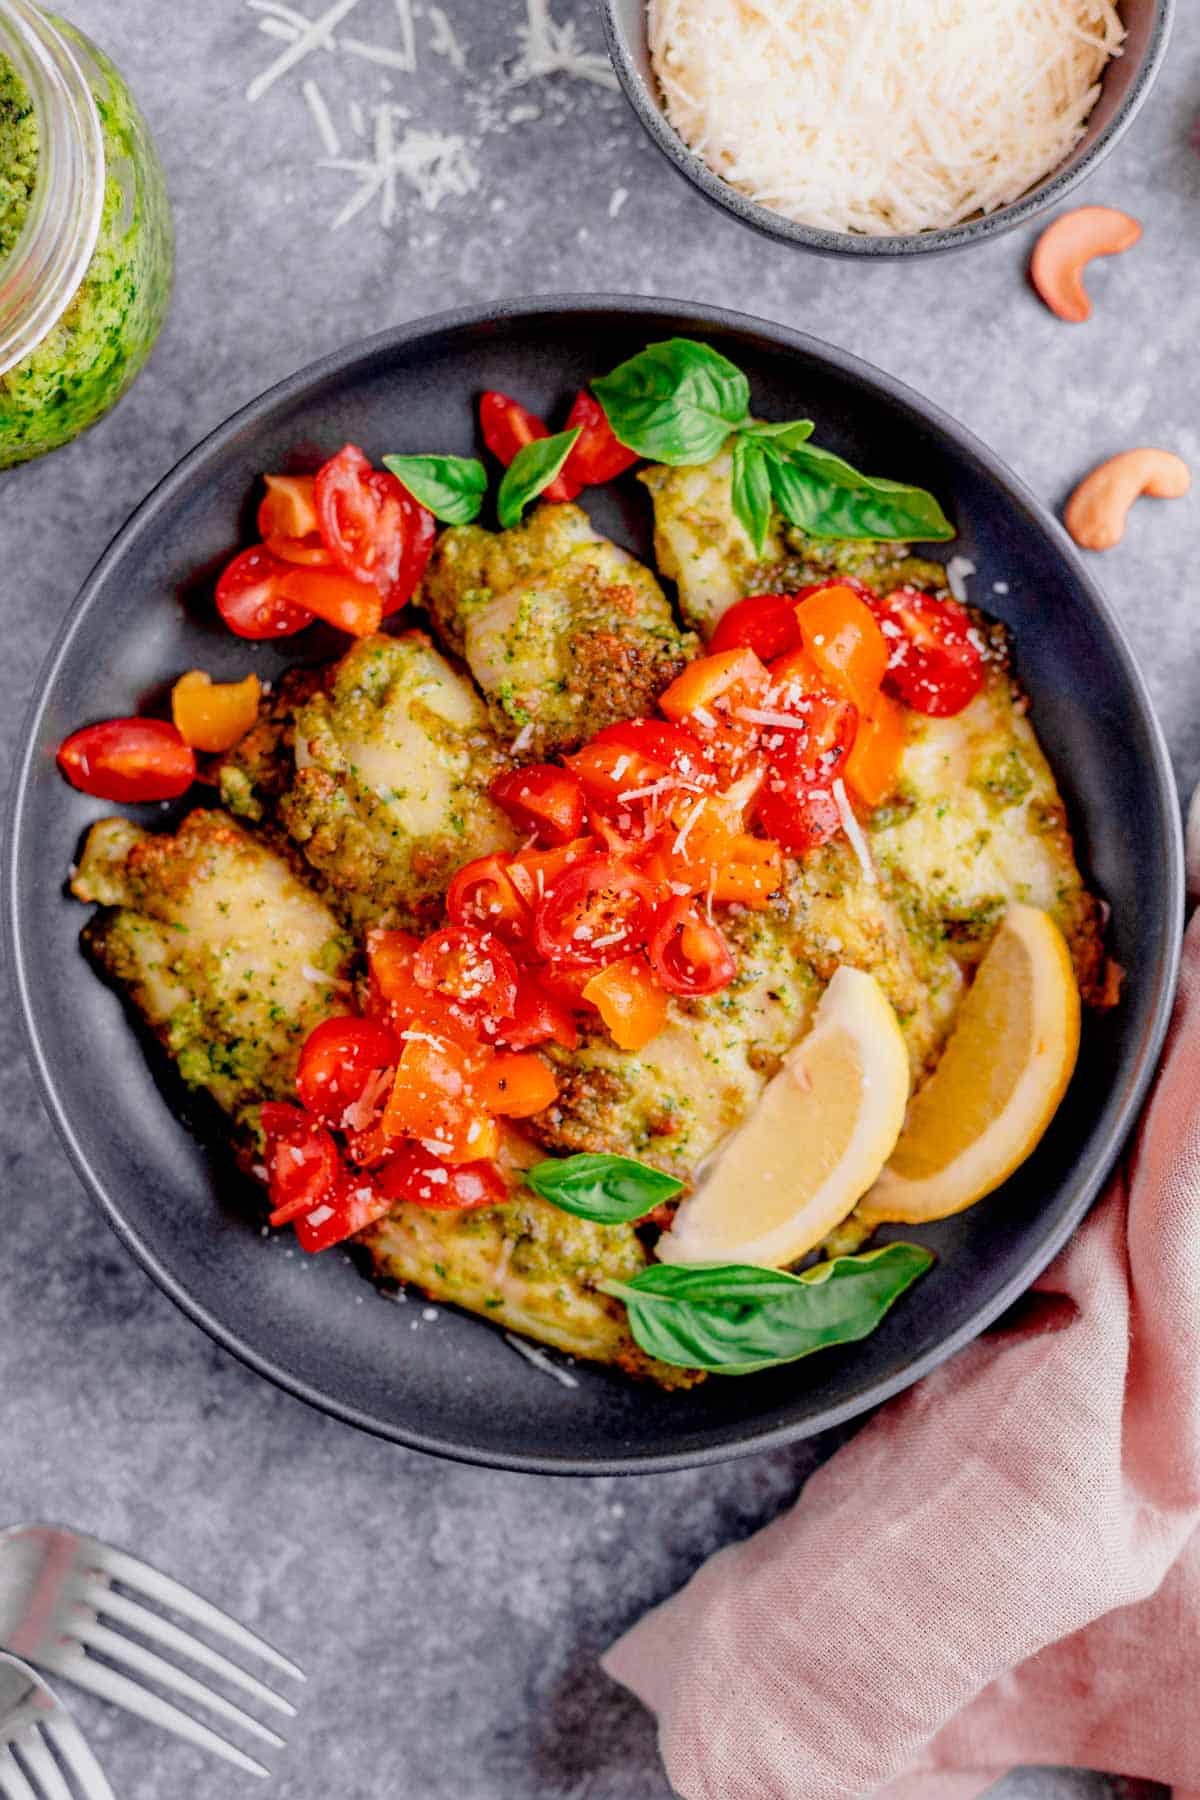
<point>533,468</point>
<point>675,402</point>
<point>734,1319</point>
<point>751,490</point>
<point>826,497</point>
<point>612,1190</point>
<point>451,487</point>
<point>784,436</point>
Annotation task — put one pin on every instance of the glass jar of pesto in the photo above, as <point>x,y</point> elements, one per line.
<point>85,234</point>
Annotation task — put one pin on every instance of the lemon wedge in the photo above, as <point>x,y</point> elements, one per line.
<point>820,1134</point>
<point>999,1082</point>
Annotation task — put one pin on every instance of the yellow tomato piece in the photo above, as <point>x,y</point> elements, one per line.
<point>213,715</point>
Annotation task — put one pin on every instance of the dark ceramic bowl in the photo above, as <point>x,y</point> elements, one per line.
<point>1125,85</point>
<point>151,1156</point>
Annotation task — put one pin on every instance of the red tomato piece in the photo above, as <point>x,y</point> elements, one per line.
<point>764,623</point>
<point>597,455</point>
<point>339,1059</point>
<point>249,598</point>
<point>543,799</point>
<point>539,1017</point>
<point>373,526</point>
<point>688,954</point>
<point>482,895</point>
<point>129,760</point>
<point>507,427</point>
<point>302,1161</point>
<point>596,911</point>
<point>469,968</point>
<point>357,1204</point>
<point>816,748</point>
<point>672,748</point>
<point>935,662</point>
<point>417,1178</point>
<point>799,816</point>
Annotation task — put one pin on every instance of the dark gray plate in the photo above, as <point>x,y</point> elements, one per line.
<point>152,1159</point>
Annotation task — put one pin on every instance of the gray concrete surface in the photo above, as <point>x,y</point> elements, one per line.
<point>450,1618</point>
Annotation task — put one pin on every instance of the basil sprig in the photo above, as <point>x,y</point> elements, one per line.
<point>680,402</point>
<point>735,1319</point>
<point>612,1190</point>
<point>451,487</point>
<point>531,470</point>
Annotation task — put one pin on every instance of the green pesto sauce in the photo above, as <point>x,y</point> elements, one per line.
<point>89,357</point>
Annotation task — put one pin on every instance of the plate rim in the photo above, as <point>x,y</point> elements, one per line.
<point>734,1441</point>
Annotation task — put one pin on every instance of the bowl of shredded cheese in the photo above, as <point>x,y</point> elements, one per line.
<point>886,127</point>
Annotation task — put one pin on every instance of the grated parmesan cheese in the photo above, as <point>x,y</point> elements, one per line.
<point>882,116</point>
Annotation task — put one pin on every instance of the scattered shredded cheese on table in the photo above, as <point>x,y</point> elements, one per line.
<point>882,116</point>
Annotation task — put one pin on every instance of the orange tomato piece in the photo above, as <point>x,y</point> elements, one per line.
<point>629,1000</point>
<point>336,597</point>
<point>712,678</point>
<point>750,873</point>
<point>213,715</point>
<point>533,871</point>
<point>840,634</point>
<point>435,1099</point>
<point>287,509</point>
<point>874,760</point>
<point>517,1084</point>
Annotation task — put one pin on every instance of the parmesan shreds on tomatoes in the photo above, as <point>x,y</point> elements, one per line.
<point>882,116</point>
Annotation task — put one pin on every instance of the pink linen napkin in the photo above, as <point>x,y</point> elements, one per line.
<point>1003,1566</point>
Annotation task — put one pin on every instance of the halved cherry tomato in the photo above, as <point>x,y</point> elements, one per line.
<point>357,1204</point>
<point>287,509</point>
<point>434,1098</point>
<point>815,751</point>
<point>539,1017</point>
<point>517,1085</point>
<point>631,1002</point>
<point>128,759</point>
<point>373,526</point>
<point>212,715</point>
<point>729,676</point>
<point>764,623</point>
<point>687,954</point>
<point>482,894</point>
<point>874,761</point>
<point>469,968</point>
<point>613,775</point>
<point>840,633</point>
<point>338,1060</point>
<point>533,871</point>
<point>597,455</point>
<point>544,799</point>
<point>337,598</point>
<point>934,665</point>
<point>799,816</point>
<point>672,747</point>
<point>415,1178</point>
<point>302,1161</point>
<point>595,912</point>
<point>507,427</point>
<point>249,598</point>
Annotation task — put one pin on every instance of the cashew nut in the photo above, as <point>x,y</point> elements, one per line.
<point>1065,249</point>
<point>1097,510</point>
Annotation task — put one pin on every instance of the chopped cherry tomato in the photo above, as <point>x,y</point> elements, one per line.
<point>308,552</point>
<point>471,969</point>
<point>595,912</point>
<point>339,1064</point>
<point>874,761</point>
<point>935,665</point>
<point>249,599</point>
<point>565,984</point>
<point>483,895</point>
<point>518,1085</point>
<point>302,1162</point>
<point>357,1204</point>
<point>507,427</point>
<point>672,748</point>
<point>394,993</point>
<point>287,509</point>
<point>597,455</point>
<point>801,817</point>
<point>543,799</point>
<point>415,1178</point>
<point>764,623</point>
<point>212,715</point>
<point>687,954</point>
<point>337,598</point>
<point>538,1017</point>
<point>840,633</point>
<point>815,749</point>
<point>434,1098</point>
<point>613,775</point>
<point>631,1002</point>
<point>532,871</point>
<point>128,759</point>
<point>373,526</point>
<point>730,676</point>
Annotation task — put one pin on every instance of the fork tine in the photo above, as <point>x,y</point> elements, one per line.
<point>102,1599</point>
<point>76,1752</point>
<point>42,1767</point>
<point>13,1785</point>
<point>149,1582</point>
<point>110,1684</point>
<point>156,1668</point>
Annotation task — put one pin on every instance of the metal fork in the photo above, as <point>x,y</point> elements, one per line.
<point>56,1592</point>
<point>37,1729</point>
